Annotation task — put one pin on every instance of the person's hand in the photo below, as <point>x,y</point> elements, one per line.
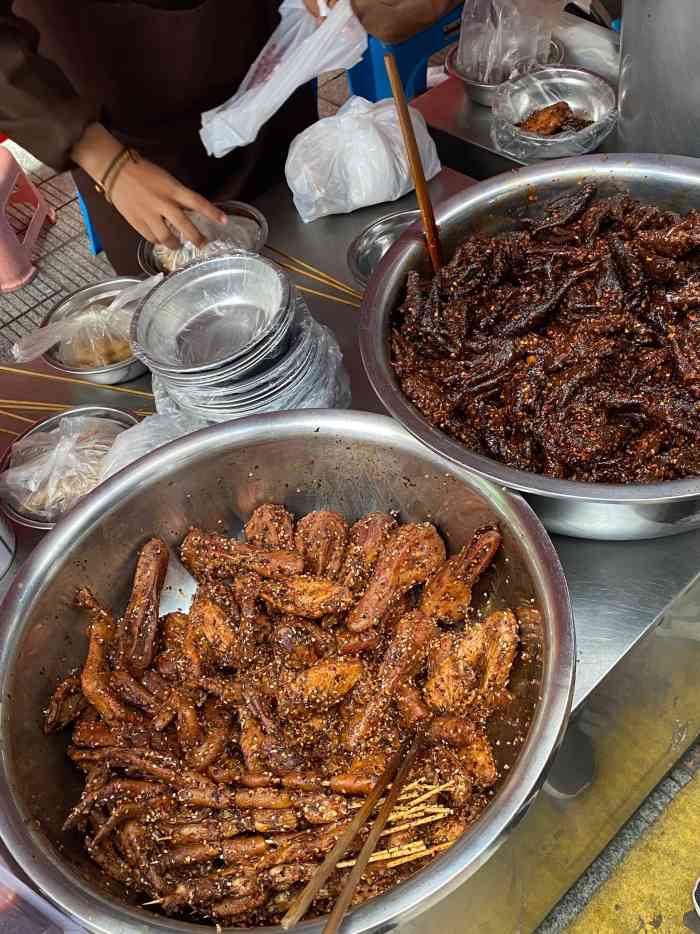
<point>143,193</point>
<point>313,7</point>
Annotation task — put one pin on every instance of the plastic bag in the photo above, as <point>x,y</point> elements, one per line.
<point>50,471</point>
<point>499,37</point>
<point>238,233</point>
<point>151,433</point>
<point>355,159</point>
<point>94,337</point>
<point>517,99</point>
<point>299,50</point>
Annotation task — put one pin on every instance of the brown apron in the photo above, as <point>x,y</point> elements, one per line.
<point>153,71</point>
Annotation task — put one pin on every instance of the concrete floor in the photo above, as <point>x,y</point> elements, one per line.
<point>642,881</point>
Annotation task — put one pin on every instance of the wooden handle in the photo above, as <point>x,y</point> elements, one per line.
<point>430,231</point>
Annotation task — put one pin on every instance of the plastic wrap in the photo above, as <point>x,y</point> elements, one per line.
<point>50,471</point>
<point>587,95</point>
<point>151,433</point>
<point>500,36</point>
<point>238,233</point>
<point>299,50</point>
<point>354,159</point>
<point>95,337</point>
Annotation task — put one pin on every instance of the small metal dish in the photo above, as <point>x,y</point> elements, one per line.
<point>102,292</point>
<point>47,424</point>
<point>148,262</point>
<point>370,247</point>
<point>484,93</point>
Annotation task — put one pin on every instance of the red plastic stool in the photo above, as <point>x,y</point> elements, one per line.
<point>16,267</point>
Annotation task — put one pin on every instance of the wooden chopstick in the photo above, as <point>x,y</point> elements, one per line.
<point>398,766</point>
<point>319,272</point>
<point>79,382</point>
<point>430,230</point>
<point>331,298</point>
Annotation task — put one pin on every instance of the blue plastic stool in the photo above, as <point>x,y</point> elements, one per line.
<point>95,244</point>
<point>369,79</point>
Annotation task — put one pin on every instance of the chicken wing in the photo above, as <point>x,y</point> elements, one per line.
<point>211,556</point>
<point>214,630</point>
<point>502,639</point>
<point>310,597</point>
<point>412,554</point>
<point>65,705</point>
<point>452,683</point>
<point>321,537</point>
<point>448,593</point>
<point>271,526</point>
<point>367,539</point>
<point>323,685</point>
<point>139,627</point>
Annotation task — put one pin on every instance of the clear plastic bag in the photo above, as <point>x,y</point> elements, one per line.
<point>355,159</point>
<point>299,50</point>
<point>151,433</point>
<point>50,471</point>
<point>95,337</point>
<point>499,37</point>
<point>517,99</point>
<point>238,233</point>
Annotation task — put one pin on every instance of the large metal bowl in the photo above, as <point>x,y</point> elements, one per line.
<point>353,462</point>
<point>584,510</point>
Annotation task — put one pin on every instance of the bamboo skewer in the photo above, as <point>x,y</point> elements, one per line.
<point>332,298</point>
<point>79,382</point>
<point>6,431</point>
<point>432,238</point>
<point>20,418</point>
<point>319,272</point>
<point>297,270</point>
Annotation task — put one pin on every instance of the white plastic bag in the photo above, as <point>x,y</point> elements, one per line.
<point>355,159</point>
<point>151,433</point>
<point>299,50</point>
<point>97,336</point>
<point>238,233</point>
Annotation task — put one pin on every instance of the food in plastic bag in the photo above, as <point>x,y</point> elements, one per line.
<point>238,233</point>
<point>95,336</point>
<point>151,433</point>
<point>554,119</point>
<point>355,159</point>
<point>588,96</point>
<point>499,37</point>
<point>50,471</point>
<point>299,50</point>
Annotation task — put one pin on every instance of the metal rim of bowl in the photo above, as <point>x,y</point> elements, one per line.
<point>96,411</point>
<point>92,371</point>
<point>287,299</point>
<point>65,887</point>
<point>562,138</point>
<point>144,250</point>
<point>375,357</point>
<point>453,69</point>
<point>354,251</point>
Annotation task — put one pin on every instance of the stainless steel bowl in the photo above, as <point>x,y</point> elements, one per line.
<point>484,93</point>
<point>370,247</point>
<point>82,300</point>
<point>353,462</point>
<point>150,265</point>
<point>47,424</point>
<point>584,510</point>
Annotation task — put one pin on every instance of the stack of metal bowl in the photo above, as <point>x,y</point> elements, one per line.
<point>228,337</point>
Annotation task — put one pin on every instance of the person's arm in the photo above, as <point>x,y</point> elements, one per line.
<point>41,111</point>
<point>397,20</point>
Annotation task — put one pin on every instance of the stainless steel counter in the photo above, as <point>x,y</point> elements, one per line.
<point>637,611</point>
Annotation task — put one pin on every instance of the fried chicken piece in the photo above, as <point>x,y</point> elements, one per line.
<point>95,676</point>
<point>302,847</point>
<point>253,626</point>
<point>213,630</point>
<point>271,526</point>
<point>65,704</point>
<point>366,541</point>
<point>217,724</point>
<point>321,537</point>
<point>448,593</point>
<point>133,692</point>
<point>501,633</point>
<point>452,682</point>
<point>137,845</point>
<point>548,120</point>
<point>410,705</point>
<point>477,759</point>
<point>310,597</point>
<point>455,731</point>
<point>90,731</point>
<point>322,685</point>
<point>212,556</point>
<point>361,777</point>
<point>234,907</point>
<point>402,660</point>
<point>199,893</point>
<point>412,554</point>
<point>139,627</point>
<point>114,792</point>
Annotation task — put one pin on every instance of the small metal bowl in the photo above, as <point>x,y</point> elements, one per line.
<point>149,264</point>
<point>47,424</point>
<point>120,372</point>
<point>370,247</point>
<point>484,93</point>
